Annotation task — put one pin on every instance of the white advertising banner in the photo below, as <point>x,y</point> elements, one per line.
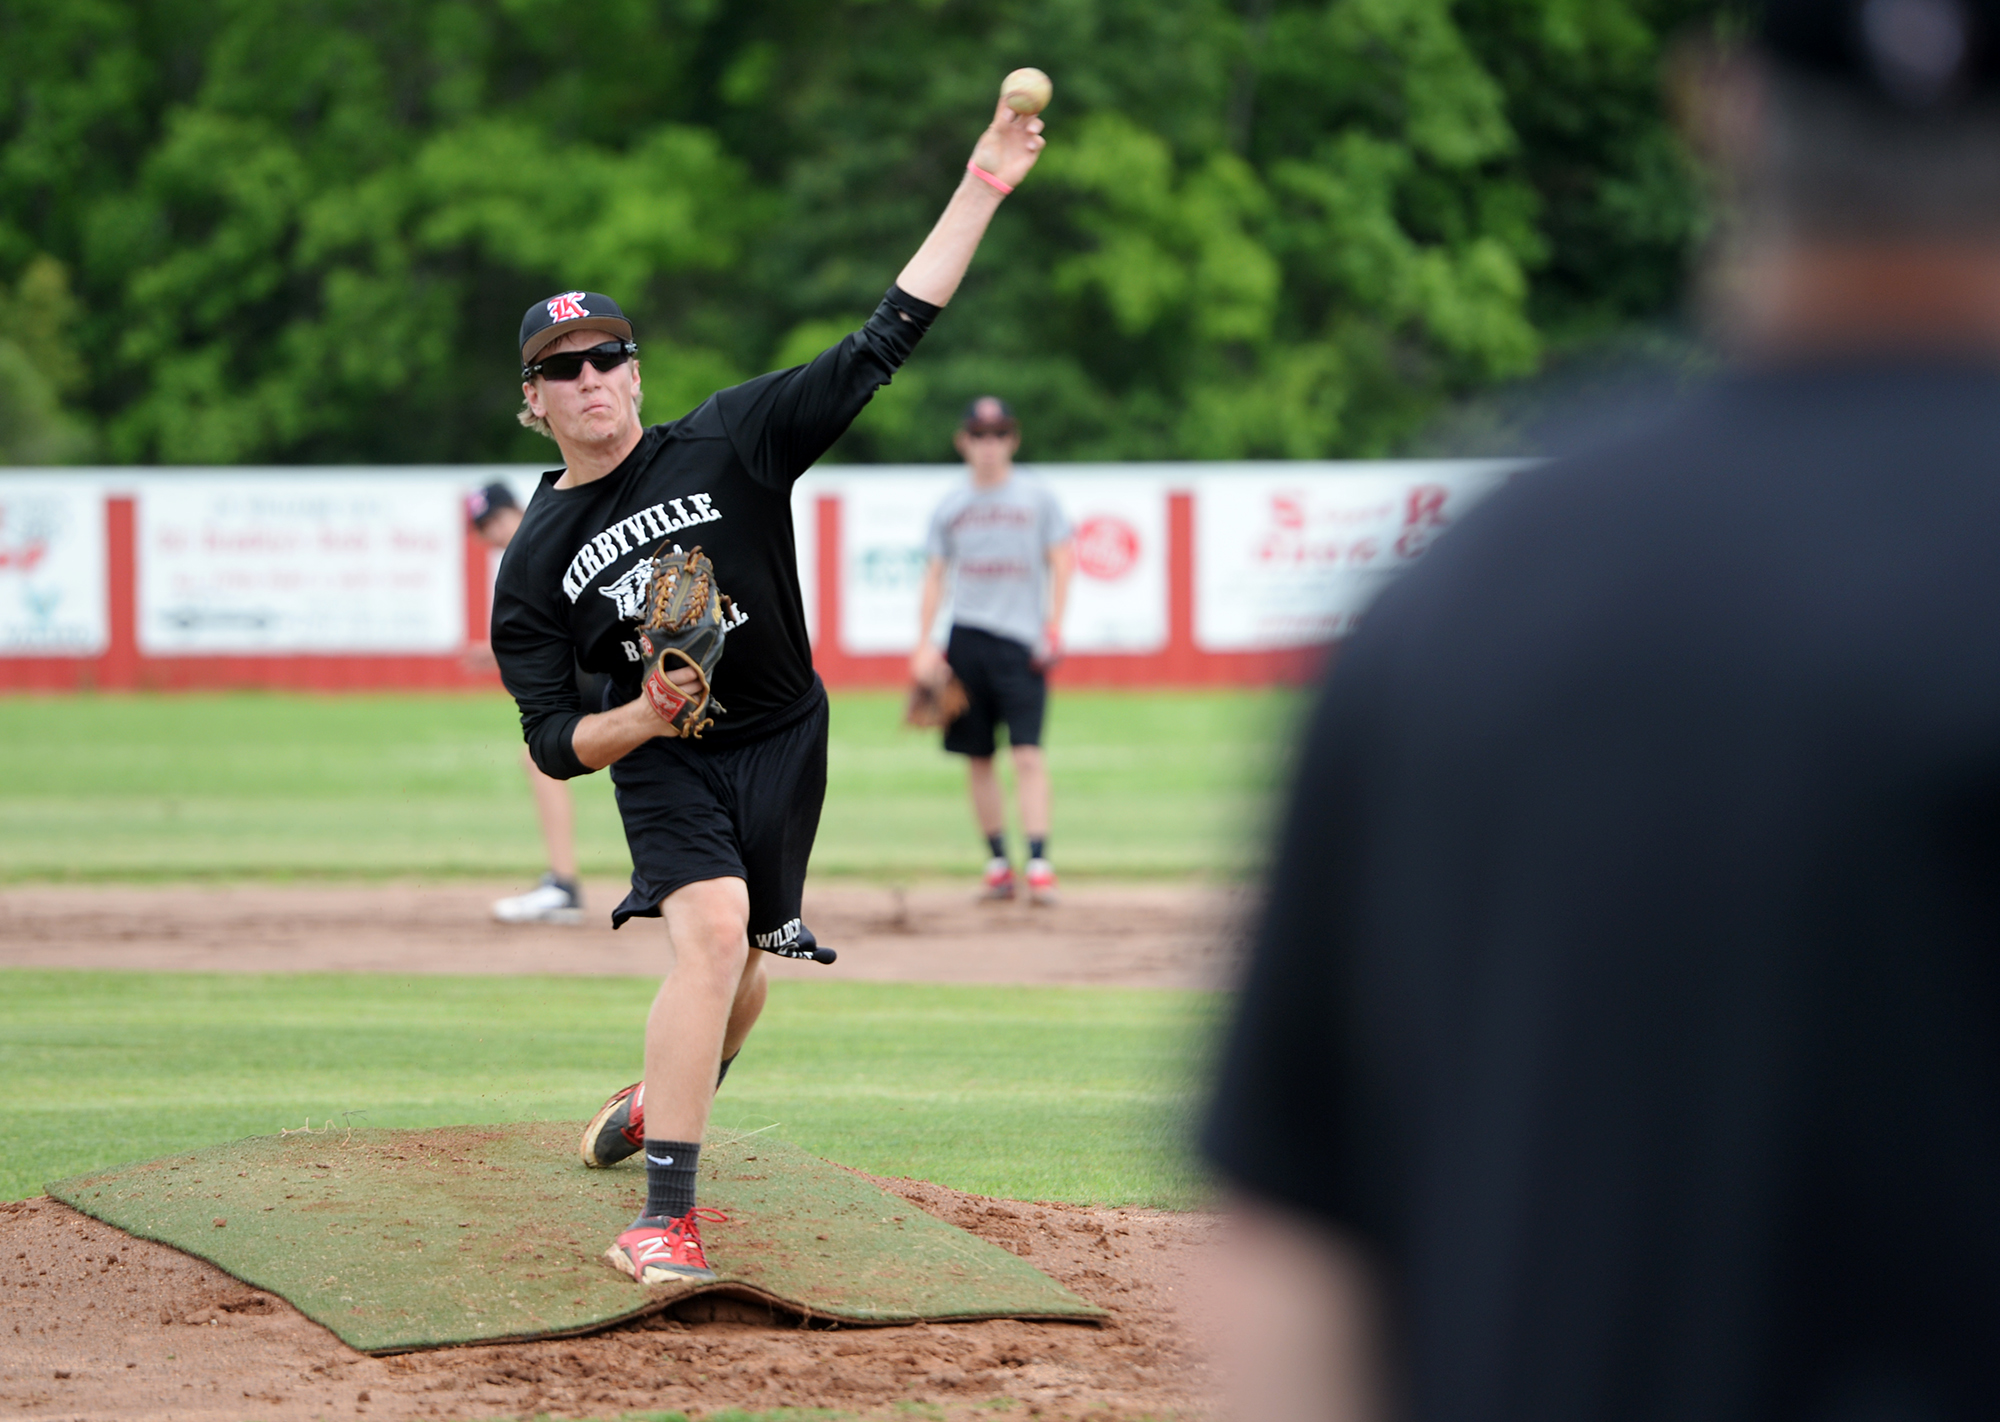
<point>301,563</point>
<point>1290,555</point>
<point>1118,597</point>
<point>52,568</point>
<point>884,520</point>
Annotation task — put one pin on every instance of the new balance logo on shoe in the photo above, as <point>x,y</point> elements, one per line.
<point>660,1251</point>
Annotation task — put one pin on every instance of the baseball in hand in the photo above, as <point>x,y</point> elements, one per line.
<point>1027,91</point>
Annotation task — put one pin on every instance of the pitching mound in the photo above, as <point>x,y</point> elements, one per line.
<point>403,1240</point>
<point>102,1327</point>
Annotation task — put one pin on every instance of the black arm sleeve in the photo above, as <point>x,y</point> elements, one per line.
<point>781,423</point>
<point>538,668</point>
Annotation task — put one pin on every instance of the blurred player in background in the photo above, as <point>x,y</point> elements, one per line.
<point>1002,543</point>
<point>495,514</point>
<point>1622,1038</point>
<point>720,828</point>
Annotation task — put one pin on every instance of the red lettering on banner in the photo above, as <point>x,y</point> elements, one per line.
<point>24,557</point>
<point>1283,549</point>
<point>1423,519</point>
<point>1107,548</point>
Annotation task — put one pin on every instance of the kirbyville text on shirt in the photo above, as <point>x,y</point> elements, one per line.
<point>648,525</point>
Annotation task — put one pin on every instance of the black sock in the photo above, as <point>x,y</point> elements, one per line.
<point>998,844</point>
<point>725,1067</point>
<point>670,1178</point>
<point>1038,848</point>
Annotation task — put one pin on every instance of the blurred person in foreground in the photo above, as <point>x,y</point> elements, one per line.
<point>494,514</point>
<point>1621,1039</point>
<point>1002,544</point>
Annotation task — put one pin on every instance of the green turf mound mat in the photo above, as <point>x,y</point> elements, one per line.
<point>397,1240</point>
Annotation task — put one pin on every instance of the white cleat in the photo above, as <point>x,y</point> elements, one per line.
<point>550,901</point>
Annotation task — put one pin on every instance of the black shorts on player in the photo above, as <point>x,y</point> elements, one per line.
<point>747,811</point>
<point>1002,684</point>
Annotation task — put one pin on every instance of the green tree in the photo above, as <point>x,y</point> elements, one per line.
<point>39,368</point>
<point>1273,228</point>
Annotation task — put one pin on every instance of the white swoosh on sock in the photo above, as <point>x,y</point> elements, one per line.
<point>659,1160</point>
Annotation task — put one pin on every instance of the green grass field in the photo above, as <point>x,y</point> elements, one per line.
<point>277,786</point>
<point>1078,1094</point>
<point>1038,1093</point>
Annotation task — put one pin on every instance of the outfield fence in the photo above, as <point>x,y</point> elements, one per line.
<point>329,578</point>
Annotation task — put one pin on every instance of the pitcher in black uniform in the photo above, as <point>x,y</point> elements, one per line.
<point>720,828</point>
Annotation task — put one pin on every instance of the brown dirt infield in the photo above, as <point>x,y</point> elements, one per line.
<point>97,1324</point>
<point>1158,935</point>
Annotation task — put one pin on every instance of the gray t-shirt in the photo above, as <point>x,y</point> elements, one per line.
<point>997,542</point>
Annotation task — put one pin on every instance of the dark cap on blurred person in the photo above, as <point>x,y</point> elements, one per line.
<point>570,311</point>
<point>1921,55</point>
<point>482,504</point>
<point>989,414</point>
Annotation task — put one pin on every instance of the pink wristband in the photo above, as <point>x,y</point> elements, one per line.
<point>987,178</point>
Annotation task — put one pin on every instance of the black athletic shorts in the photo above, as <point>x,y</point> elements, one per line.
<point>1002,683</point>
<point>747,812</point>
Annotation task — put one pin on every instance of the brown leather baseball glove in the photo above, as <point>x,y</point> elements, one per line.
<point>682,626</point>
<point>931,706</point>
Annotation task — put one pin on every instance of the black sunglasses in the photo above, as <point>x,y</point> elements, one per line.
<point>569,365</point>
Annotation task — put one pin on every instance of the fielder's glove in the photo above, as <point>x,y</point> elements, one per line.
<point>931,705</point>
<point>682,626</point>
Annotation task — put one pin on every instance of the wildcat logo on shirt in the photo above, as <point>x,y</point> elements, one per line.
<point>629,592</point>
<point>645,527</point>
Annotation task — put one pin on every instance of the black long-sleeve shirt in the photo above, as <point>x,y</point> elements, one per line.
<point>1628,985</point>
<point>572,580</point>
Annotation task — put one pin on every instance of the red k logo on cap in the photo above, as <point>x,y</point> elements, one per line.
<point>567,307</point>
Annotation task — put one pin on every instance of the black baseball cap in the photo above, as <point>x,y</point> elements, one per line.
<point>1919,54</point>
<point>482,504</point>
<point>989,412</point>
<point>570,311</point>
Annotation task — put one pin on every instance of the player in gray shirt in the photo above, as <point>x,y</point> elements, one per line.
<point>1002,542</point>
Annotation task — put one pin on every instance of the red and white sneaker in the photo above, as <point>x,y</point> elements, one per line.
<point>662,1251</point>
<point>999,881</point>
<point>618,1130</point>
<point>1042,883</point>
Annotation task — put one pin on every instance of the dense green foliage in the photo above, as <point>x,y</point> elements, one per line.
<point>251,785</point>
<point>247,230</point>
<point>1031,1093</point>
